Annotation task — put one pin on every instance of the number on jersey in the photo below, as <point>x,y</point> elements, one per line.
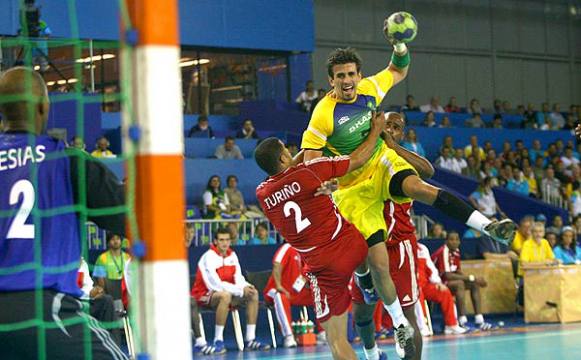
<point>301,223</point>
<point>19,229</point>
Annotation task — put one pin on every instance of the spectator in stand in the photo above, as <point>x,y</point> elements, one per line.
<point>445,122</point>
<point>536,150</point>
<point>78,143</point>
<point>229,150</point>
<point>556,225</point>
<point>189,234</point>
<point>506,107</point>
<point>446,161</point>
<point>220,284</point>
<point>452,106</point>
<point>550,185</point>
<point>320,95</point>
<point>202,129</point>
<point>487,147</point>
<point>473,168</point>
<point>556,117</point>
<point>110,266</point>
<point>539,169</point>
<point>483,199</point>
<point>518,183</point>
<point>505,175</point>
<point>459,160</point>
<point>429,119</point>
<point>410,104</point>
<point>529,118</point>
<point>523,233</point>
<point>433,289</point>
<point>235,198</point>
<point>215,200</point>
<point>473,147</point>
<point>536,250</point>
<point>234,230</point>
<point>569,161</point>
<point>542,117</point>
<point>437,231</point>
<point>447,261</point>
<point>434,105</point>
<point>552,238</point>
<point>567,251</point>
<point>529,176</point>
<point>575,201</point>
<point>474,107</point>
<point>102,149</point>
<point>448,142</point>
<point>475,121</point>
<point>496,122</point>
<point>411,143</point>
<point>248,131</point>
<point>569,123</point>
<point>497,106</point>
<point>261,236</point>
<point>307,96</point>
<point>488,170</point>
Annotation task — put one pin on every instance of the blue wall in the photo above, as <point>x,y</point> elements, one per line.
<point>64,114</point>
<point>250,24</point>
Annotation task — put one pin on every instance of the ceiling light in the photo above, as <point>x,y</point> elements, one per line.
<point>50,83</point>
<point>190,62</point>
<point>90,59</point>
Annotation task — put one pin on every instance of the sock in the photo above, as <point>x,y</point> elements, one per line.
<point>365,280</point>
<point>371,354</point>
<point>453,207</point>
<point>396,313</point>
<point>250,332</point>
<point>478,319</point>
<point>200,342</point>
<point>219,333</point>
<point>478,221</point>
<point>462,320</point>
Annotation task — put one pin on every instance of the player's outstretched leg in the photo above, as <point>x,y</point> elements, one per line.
<point>336,330</point>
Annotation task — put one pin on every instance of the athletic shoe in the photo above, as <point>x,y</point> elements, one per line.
<point>425,332</point>
<point>217,348</point>
<point>404,342</point>
<point>455,330</point>
<point>321,338</point>
<point>289,341</point>
<point>382,355</point>
<point>484,326</point>
<point>502,231</point>
<point>370,296</point>
<point>203,349</point>
<point>256,345</point>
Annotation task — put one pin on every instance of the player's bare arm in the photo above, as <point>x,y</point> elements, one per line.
<point>360,156</point>
<point>277,276</point>
<point>420,163</point>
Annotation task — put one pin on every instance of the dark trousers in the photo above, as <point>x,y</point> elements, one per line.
<point>69,333</point>
<point>103,309</point>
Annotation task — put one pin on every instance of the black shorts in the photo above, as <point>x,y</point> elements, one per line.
<point>62,341</point>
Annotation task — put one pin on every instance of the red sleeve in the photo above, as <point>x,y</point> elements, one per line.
<point>438,260</point>
<point>329,168</point>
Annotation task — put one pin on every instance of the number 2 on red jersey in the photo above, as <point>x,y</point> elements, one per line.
<point>301,223</point>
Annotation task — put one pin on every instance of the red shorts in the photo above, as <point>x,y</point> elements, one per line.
<point>403,271</point>
<point>204,300</point>
<point>330,270</point>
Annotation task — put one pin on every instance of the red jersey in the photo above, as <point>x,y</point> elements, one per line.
<point>399,222</point>
<point>306,221</point>
<point>292,267</point>
<point>427,271</point>
<point>446,260</point>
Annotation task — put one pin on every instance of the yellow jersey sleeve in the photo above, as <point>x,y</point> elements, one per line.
<point>320,126</point>
<point>548,250</point>
<point>377,85</point>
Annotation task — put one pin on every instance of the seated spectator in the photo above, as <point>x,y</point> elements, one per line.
<point>429,119</point>
<point>496,122</point>
<point>433,289</point>
<point>497,106</point>
<point>234,230</point>
<point>475,121</point>
<point>248,131</point>
<point>220,284</point>
<point>473,168</point>
<point>447,261</point>
<point>483,199</point>
<point>202,129</point>
<point>459,160</point>
<point>286,288</point>
<point>307,96</point>
<point>552,238</point>
<point>567,251</point>
<point>569,161</point>
<point>575,200</point>
<point>474,107</point>
<point>109,268</point>
<point>518,184</point>
<point>574,111</point>
<point>78,143</point>
<point>102,149</point>
<point>434,105</point>
<point>474,146</point>
<point>550,185</point>
<point>190,234</point>
<point>537,250</point>
<point>446,161</point>
<point>235,198</point>
<point>505,175</point>
<point>557,119</point>
<point>229,150</point>
<point>556,225</point>
<point>448,142</point>
<point>411,143</point>
<point>215,200</point>
<point>410,104</point>
<point>536,150</point>
<point>542,117</point>
<point>488,170</point>
<point>445,122</point>
<point>529,118</point>
<point>452,106</point>
<point>507,108</point>
<point>261,236</point>
<point>437,231</point>
<point>529,176</point>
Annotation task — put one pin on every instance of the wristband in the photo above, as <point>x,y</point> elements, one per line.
<point>400,48</point>
<point>471,278</point>
<point>400,61</point>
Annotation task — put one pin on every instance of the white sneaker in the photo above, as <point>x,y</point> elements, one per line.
<point>454,330</point>
<point>425,332</point>
<point>289,341</point>
<point>321,338</point>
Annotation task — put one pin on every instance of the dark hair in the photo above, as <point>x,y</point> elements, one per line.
<point>228,138</point>
<point>221,230</point>
<point>202,118</point>
<point>209,187</point>
<point>231,177</point>
<point>342,56</point>
<point>262,225</point>
<point>451,232</point>
<point>267,155</point>
<point>110,235</point>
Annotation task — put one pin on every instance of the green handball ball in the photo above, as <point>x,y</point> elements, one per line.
<point>400,27</point>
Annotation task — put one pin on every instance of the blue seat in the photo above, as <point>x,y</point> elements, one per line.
<point>205,148</point>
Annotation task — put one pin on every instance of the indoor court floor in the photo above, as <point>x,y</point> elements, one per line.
<point>527,342</point>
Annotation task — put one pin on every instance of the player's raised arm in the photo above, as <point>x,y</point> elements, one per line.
<point>365,150</point>
<point>400,28</point>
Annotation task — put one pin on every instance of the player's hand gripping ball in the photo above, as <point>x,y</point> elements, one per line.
<point>400,27</point>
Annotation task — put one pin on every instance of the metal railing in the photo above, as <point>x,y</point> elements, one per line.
<point>552,196</point>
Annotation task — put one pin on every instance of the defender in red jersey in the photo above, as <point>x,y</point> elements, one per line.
<point>330,246</point>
